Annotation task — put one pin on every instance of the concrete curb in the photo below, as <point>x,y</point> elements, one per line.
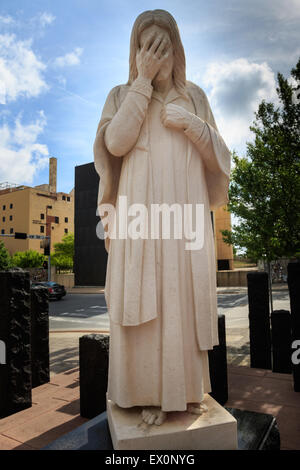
<point>78,331</point>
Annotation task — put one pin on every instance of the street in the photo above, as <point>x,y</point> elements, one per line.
<point>79,312</point>
<point>89,312</point>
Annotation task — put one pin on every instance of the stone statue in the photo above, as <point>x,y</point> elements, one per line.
<point>157,143</point>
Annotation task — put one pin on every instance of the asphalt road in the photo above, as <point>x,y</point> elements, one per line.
<point>79,312</point>
<point>89,311</point>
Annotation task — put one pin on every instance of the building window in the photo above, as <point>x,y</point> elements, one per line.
<point>4,207</point>
<point>42,229</point>
<point>66,220</point>
<point>42,216</point>
<point>66,230</point>
<point>68,199</point>
<point>11,206</point>
<point>11,230</point>
<point>3,219</point>
<point>57,220</point>
<point>10,217</point>
<point>64,198</point>
<point>3,231</point>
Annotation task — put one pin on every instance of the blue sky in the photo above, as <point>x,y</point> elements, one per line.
<point>60,58</point>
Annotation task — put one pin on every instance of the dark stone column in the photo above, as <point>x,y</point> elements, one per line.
<point>93,367</point>
<point>218,365</point>
<point>15,375</point>
<point>294,289</point>
<point>259,320</point>
<point>40,336</point>
<point>281,341</point>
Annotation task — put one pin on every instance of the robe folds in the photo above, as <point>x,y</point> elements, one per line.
<point>161,297</point>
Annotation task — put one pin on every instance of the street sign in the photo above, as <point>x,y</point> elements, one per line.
<point>23,236</point>
<point>20,236</point>
<point>37,237</point>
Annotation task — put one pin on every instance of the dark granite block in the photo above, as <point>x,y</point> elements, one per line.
<point>15,375</point>
<point>259,320</point>
<point>256,431</point>
<point>218,365</point>
<point>92,435</point>
<point>93,365</point>
<point>40,336</point>
<point>281,341</point>
<point>294,289</point>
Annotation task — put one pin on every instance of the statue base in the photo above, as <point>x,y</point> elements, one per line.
<point>216,429</point>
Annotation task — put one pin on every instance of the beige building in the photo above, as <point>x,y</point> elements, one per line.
<point>36,211</point>
<point>224,252</point>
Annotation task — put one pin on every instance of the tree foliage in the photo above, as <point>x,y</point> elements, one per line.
<point>28,259</point>
<point>5,258</point>
<point>264,191</point>
<point>63,256</point>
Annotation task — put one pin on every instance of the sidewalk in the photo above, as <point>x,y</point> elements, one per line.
<point>85,290</point>
<point>55,410</point>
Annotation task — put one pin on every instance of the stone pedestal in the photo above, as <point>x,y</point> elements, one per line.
<point>294,290</point>
<point>15,334</point>
<point>259,320</point>
<point>93,367</point>
<point>218,365</point>
<point>40,336</point>
<point>216,429</point>
<point>281,341</point>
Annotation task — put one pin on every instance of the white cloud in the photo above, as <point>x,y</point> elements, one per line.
<point>236,90</point>
<point>21,155</point>
<point>6,19</point>
<point>20,70</point>
<point>72,58</point>
<point>45,18</point>
<point>61,80</point>
<point>274,9</point>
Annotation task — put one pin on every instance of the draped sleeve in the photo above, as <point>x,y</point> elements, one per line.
<point>122,116</point>
<point>107,165</point>
<point>217,158</point>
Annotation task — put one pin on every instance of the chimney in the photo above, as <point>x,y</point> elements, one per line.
<point>52,174</point>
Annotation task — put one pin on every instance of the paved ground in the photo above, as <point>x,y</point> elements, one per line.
<point>79,312</point>
<point>55,410</point>
<point>265,392</point>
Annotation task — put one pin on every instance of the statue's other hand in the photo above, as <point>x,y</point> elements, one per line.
<point>175,116</point>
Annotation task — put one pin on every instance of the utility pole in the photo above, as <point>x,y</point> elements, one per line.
<point>48,233</point>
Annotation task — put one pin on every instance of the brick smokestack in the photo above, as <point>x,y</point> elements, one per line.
<point>52,174</point>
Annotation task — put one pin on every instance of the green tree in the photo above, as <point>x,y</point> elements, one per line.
<point>5,258</point>
<point>63,256</point>
<point>28,259</point>
<point>264,191</point>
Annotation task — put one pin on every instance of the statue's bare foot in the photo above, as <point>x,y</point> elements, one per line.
<point>196,408</point>
<point>153,415</point>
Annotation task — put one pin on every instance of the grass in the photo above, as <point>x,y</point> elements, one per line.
<point>243,264</point>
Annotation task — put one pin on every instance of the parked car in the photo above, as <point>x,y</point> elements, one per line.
<point>56,291</point>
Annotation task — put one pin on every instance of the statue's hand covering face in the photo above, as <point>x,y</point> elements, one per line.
<point>164,49</point>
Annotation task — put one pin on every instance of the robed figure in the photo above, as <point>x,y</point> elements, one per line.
<point>157,143</point>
